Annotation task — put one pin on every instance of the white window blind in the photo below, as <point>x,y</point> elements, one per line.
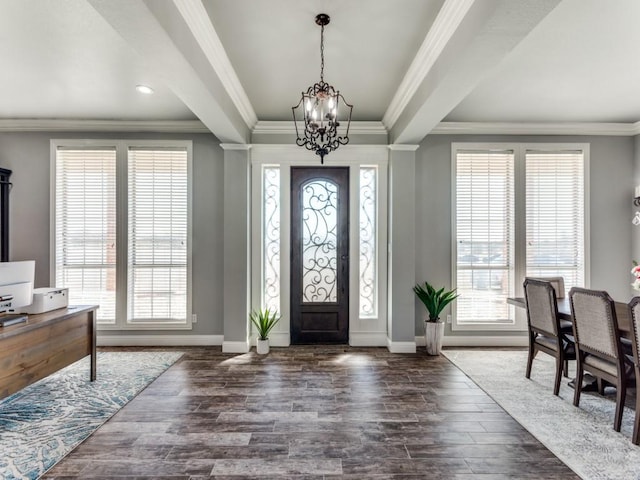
<point>484,233</point>
<point>555,215</point>
<point>85,233</point>
<point>158,205</point>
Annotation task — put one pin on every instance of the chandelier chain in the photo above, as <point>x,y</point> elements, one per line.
<point>322,53</point>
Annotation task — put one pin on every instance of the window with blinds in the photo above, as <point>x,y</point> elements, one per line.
<point>123,230</point>
<point>85,233</point>
<point>484,232</point>
<point>519,212</point>
<point>555,215</point>
<point>158,235</point>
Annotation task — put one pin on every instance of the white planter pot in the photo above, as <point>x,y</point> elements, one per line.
<point>262,346</point>
<point>433,333</point>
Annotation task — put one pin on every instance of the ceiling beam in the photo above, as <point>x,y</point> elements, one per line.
<point>198,21</point>
<point>157,31</point>
<point>470,38</point>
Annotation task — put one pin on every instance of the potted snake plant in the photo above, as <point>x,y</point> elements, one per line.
<point>434,301</point>
<point>264,320</point>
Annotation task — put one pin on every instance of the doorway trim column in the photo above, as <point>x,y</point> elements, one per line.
<point>402,248</point>
<point>236,265</point>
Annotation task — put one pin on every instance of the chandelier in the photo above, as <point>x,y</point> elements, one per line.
<point>320,106</point>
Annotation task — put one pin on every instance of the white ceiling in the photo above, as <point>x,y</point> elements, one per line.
<point>581,64</point>
<point>60,59</point>
<point>407,63</point>
<point>274,47</point>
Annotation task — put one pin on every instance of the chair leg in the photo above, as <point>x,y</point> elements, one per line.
<point>578,383</point>
<point>621,395</point>
<point>600,384</point>
<point>566,369</point>
<point>636,424</point>
<point>532,354</point>
<point>556,385</point>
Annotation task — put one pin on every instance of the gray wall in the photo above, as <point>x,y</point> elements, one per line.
<point>636,181</point>
<point>612,163</point>
<point>28,155</point>
<point>615,169</point>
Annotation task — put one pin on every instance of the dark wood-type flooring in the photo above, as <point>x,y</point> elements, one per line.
<point>312,413</point>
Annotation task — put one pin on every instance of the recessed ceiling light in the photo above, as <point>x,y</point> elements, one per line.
<point>144,89</point>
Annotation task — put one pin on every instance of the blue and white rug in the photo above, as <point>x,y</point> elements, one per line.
<point>583,438</point>
<point>43,422</point>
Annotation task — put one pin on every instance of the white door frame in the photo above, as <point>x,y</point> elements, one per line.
<point>363,331</point>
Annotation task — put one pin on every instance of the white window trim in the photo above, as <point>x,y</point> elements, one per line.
<point>363,331</point>
<point>519,150</point>
<point>122,147</point>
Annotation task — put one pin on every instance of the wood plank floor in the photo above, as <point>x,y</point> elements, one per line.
<point>311,413</point>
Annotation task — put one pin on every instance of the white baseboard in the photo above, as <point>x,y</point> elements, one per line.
<point>401,347</point>
<point>158,340</point>
<point>368,339</point>
<point>277,339</point>
<point>482,341</point>
<point>235,347</point>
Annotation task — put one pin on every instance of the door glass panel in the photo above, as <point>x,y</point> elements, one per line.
<point>319,241</point>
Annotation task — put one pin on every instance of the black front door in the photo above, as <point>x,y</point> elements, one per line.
<point>319,255</point>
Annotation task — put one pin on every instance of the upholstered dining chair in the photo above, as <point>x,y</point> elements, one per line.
<point>598,346</point>
<point>557,283</point>
<point>634,306</point>
<point>545,334</point>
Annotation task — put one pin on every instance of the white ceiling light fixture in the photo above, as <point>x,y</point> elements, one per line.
<point>320,106</point>
<point>147,90</point>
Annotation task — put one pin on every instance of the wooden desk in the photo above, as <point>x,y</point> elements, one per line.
<point>564,312</point>
<point>44,344</point>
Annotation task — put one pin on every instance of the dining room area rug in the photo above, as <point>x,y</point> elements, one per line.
<point>43,422</point>
<point>582,437</point>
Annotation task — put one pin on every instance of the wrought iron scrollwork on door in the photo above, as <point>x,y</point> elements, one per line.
<point>319,241</point>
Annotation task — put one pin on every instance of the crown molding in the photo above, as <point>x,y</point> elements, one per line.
<point>403,147</point>
<point>235,146</point>
<point>62,125</point>
<point>523,128</point>
<point>198,21</point>
<point>280,128</point>
<point>443,28</point>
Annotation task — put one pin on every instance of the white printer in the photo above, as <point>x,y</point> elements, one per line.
<point>46,299</point>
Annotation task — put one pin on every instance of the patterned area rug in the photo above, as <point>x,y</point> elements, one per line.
<point>42,423</point>
<point>583,438</point>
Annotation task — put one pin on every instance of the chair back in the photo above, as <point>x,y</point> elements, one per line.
<point>542,306</point>
<point>595,325</point>
<point>634,306</point>
<point>556,282</point>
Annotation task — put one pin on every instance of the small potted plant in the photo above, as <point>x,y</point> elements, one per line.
<point>434,301</point>
<point>264,320</point>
